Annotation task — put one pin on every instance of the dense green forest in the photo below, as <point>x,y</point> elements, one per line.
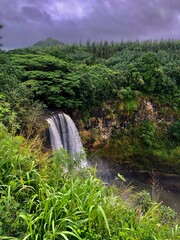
<point>116,77</point>
<point>109,81</point>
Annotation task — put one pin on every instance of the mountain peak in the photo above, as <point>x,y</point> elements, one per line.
<point>49,42</point>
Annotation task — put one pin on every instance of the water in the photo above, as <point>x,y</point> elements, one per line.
<point>64,134</point>
<point>109,174</point>
<point>161,194</point>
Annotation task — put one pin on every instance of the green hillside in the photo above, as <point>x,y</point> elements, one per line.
<point>126,94</point>
<point>49,42</point>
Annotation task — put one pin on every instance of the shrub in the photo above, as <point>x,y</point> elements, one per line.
<point>48,203</point>
<point>174,133</point>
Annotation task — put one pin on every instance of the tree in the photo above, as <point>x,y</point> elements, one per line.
<point>174,133</point>
<point>150,71</point>
<point>1,26</point>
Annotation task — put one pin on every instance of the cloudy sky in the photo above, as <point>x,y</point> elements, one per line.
<point>28,21</point>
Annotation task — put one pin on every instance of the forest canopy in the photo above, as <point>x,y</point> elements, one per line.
<point>73,76</point>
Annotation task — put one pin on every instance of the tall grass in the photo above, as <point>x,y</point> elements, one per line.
<point>41,201</point>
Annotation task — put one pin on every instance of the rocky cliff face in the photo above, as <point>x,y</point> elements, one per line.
<point>104,122</point>
<point>136,138</point>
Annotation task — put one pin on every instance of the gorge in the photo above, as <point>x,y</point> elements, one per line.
<point>162,187</point>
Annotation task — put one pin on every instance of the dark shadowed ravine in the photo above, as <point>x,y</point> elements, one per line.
<point>162,187</point>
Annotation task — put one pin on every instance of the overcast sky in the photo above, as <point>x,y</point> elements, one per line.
<point>28,21</point>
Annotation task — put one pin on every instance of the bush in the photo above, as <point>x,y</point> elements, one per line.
<point>45,202</point>
<point>174,133</point>
<point>147,133</point>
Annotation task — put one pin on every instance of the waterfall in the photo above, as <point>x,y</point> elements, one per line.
<point>64,134</point>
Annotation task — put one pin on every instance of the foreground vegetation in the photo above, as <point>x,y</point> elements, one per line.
<point>40,200</point>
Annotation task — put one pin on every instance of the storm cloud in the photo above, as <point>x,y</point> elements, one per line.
<point>29,21</point>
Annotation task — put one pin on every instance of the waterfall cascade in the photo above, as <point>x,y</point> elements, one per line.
<point>64,134</point>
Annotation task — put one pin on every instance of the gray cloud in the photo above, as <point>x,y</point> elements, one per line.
<point>29,21</point>
<point>35,15</point>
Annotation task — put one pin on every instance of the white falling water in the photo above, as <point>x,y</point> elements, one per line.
<point>64,134</point>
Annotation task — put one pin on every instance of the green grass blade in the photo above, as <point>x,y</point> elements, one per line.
<point>105,219</point>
